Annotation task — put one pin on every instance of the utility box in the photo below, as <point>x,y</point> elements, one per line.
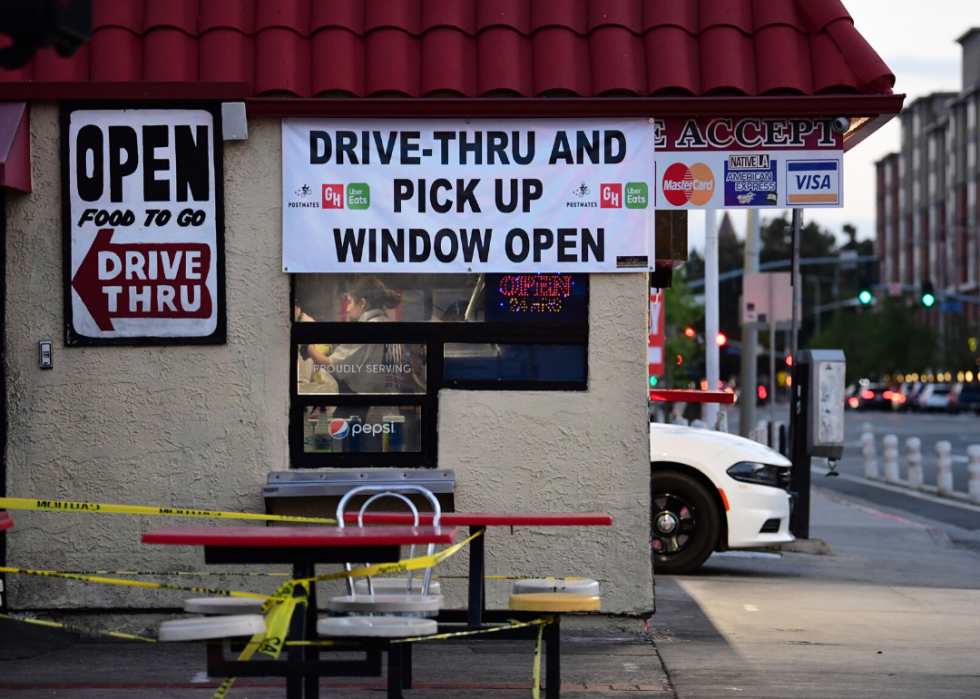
<point>816,424</point>
<point>825,428</point>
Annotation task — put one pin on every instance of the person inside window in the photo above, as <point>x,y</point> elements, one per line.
<point>367,302</point>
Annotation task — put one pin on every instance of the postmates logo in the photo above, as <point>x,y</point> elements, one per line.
<point>694,185</point>
<point>333,196</point>
<point>339,428</point>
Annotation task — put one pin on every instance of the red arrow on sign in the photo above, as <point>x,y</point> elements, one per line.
<point>143,280</point>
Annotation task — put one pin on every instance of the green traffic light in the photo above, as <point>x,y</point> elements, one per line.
<point>928,300</point>
<point>653,381</point>
<point>865,297</point>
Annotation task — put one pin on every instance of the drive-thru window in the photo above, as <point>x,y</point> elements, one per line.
<point>293,238</point>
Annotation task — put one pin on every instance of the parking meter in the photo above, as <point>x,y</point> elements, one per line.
<point>816,424</point>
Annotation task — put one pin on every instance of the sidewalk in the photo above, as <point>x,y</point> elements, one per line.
<point>593,665</point>
<point>894,613</point>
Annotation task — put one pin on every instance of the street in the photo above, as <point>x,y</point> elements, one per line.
<point>894,612</point>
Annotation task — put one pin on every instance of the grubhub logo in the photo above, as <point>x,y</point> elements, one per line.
<point>340,428</point>
<point>693,185</point>
<point>612,196</point>
<point>333,196</point>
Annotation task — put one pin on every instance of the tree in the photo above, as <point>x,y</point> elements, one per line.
<point>681,311</point>
<point>878,342</point>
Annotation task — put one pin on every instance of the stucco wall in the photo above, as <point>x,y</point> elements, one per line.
<point>567,452</point>
<point>203,426</point>
<point>187,426</point>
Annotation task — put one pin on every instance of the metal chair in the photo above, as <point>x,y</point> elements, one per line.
<point>389,614</point>
<point>213,606</point>
<point>555,595</point>
<point>580,587</point>
<point>212,627</point>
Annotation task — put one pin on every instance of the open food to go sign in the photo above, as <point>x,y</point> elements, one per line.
<point>454,195</point>
<point>143,226</point>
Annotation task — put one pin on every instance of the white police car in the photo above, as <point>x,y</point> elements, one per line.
<point>713,491</point>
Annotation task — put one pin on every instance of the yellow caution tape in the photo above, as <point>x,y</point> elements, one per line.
<point>188,573</point>
<point>490,577</point>
<point>133,583</point>
<point>64,506</point>
<point>277,622</point>
<point>456,634</point>
<point>283,594</point>
<point>399,567</point>
<point>191,574</point>
<point>536,673</point>
<point>79,629</point>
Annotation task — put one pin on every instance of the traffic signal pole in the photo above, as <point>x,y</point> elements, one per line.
<point>798,404</point>
<point>750,338</point>
<point>711,327</point>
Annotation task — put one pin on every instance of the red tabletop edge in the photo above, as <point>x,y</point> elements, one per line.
<point>491,519</point>
<point>686,396</point>
<point>5,521</point>
<point>300,536</point>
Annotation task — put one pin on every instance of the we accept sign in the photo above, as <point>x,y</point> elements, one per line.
<point>142,226</point>
<point>467,195</point>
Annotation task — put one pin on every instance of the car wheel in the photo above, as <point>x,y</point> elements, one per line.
<point>685,522</point>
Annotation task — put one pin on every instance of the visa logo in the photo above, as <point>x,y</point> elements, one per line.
<point>813,182</point>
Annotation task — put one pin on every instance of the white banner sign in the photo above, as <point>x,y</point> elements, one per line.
<point>143,226</point>
<point>374,195</point>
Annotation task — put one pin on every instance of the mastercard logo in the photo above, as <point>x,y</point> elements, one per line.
<point>339,428</point>
<point>694,185</point>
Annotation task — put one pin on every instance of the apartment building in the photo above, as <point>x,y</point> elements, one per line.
<point>927,219</point>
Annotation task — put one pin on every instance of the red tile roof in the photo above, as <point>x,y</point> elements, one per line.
<point>477,48</point>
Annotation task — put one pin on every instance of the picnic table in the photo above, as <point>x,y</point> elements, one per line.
<point>476,615</point>
<point>303,547</point>
<point>479,521</point>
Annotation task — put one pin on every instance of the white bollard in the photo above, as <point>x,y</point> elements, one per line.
<point>891,458</point>
<point>973,452</point>
<point>722,424</point>
<point>868,452</point>
<point>914,446</point>
<point>944,480</point>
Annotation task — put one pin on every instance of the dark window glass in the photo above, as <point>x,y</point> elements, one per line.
<point>441,298</point>
<point>498,362</point>
<point>367,429</point>
<point>361,368</point>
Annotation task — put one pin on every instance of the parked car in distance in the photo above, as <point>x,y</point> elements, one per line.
<point>713,491</point>
<point>871,396</point>
<point>905,396</point>
<point>934,397</point>
<point>964,396</point>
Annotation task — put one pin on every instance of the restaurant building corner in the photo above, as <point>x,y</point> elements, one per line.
<point>434,257</point>
<point>204,426</point>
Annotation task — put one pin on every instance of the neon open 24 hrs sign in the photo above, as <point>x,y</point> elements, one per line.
<point>374,195</point>
<point>143,226</point>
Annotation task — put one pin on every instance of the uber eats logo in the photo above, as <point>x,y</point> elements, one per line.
<point>637,195</point>
<point>358,196</point>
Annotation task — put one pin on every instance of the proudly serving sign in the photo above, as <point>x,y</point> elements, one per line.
<point>748,163</point>
<point>143,226</point>
<point>467,196</point>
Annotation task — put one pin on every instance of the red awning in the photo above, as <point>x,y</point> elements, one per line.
<point>15,146</point>
<point>476,48</point>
